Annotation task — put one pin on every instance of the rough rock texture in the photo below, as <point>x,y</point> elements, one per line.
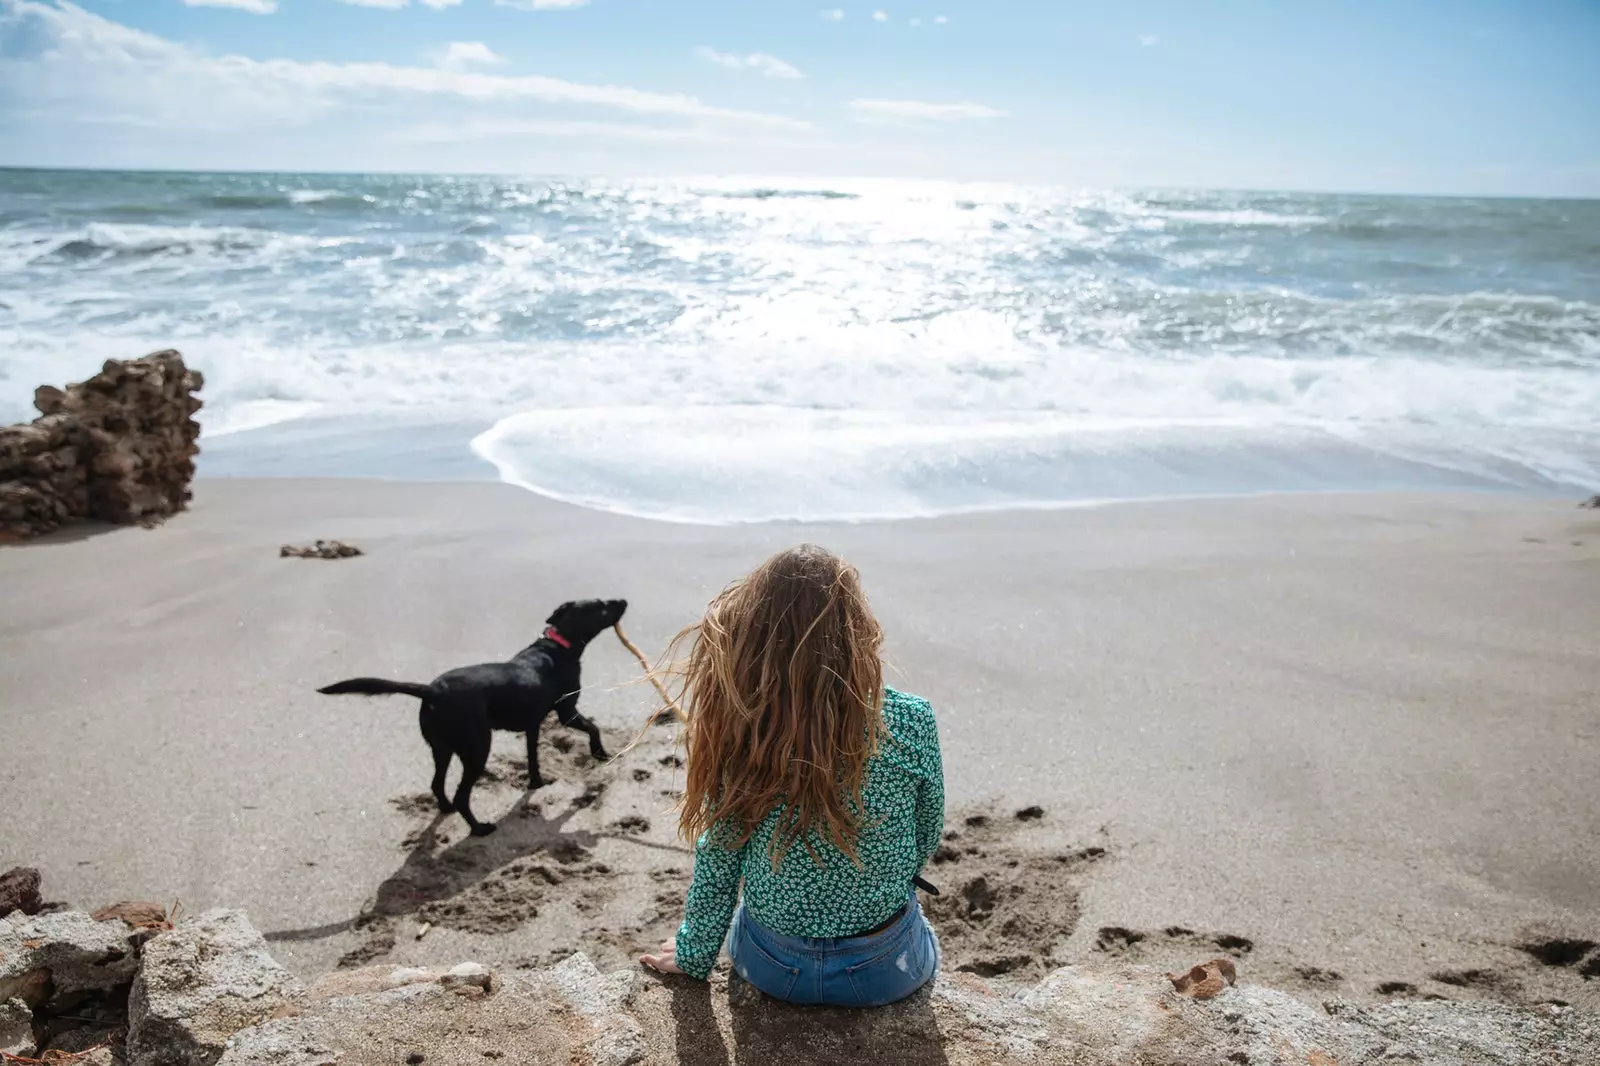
<point>198,985</point>
<point>19,891</point>
<point>322,549</point>
<point>1206,980</point>
<point>50,958</point>
<point>118,448</point>
<point>16,1028</point>
<point>1122,1015</point>
<point>207,992</point>
<point>137,915</point>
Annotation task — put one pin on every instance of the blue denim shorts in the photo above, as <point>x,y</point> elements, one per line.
<point>854,971</point>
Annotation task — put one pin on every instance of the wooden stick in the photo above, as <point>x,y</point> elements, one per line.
<point>644,664</point>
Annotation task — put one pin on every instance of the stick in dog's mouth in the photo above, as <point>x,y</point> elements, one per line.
<point>650,673</point>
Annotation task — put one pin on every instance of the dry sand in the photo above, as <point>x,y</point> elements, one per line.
<point>1351,740</point>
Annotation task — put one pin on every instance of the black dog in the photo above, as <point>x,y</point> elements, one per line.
<point>461,708</point>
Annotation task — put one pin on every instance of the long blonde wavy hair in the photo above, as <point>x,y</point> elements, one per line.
<point>782,683</point>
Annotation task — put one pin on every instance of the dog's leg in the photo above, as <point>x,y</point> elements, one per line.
<point>567,712</point>
<point>535,778</point>
<point>441,763</point>
<point>428,718</point>
<point>473,761</point>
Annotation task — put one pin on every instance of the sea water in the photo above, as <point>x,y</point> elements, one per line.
<point>730,350</point>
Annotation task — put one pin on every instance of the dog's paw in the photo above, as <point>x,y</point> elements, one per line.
<point>600,756</point>
<point>483,829</point>
<point>536,783</point>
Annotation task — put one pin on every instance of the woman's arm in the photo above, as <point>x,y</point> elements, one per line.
<point>930,787</point>
<point>712,896</point>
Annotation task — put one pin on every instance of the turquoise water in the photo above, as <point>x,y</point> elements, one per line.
<point>731,350</point>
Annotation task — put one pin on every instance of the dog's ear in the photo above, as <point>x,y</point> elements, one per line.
<point>557,615</point>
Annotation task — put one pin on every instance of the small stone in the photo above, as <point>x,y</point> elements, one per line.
<point>468,975</point>
<point>136,915</point>
<point>1206,980</point>
<point>322,549</point>
<point>620,1043</point>
<point>1030,814</point>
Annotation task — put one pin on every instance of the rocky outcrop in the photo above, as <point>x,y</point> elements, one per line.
<point>198,985</point>
<point>49,960</point>
<point>64,981</point>
<point>117,448</point>
<point>19,891</point>
<point>207,993</point>
<point>1091,1017</point>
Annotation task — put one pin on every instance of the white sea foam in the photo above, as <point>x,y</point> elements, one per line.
<point>723,350</point>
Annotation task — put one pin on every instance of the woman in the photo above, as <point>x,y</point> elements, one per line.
<point>810,783</point>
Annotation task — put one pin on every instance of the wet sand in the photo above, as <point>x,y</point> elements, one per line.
<point>1351,740</point>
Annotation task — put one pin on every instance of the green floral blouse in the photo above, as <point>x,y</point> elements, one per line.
<point>829,896</point>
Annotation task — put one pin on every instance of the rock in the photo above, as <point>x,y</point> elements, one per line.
<point>468,977</point>
<point>117,448</point>
<point>1206,980</point>
<point>199,985</point>
<point>1593,503</point>
<point>1103,1016</point>
<point>48,957</point>
<point>16,1028</point>
<point>19,891</point>
<point>621,1043</point>
<point>135,915</point>
<point>322,549</point>
<point>590,991</point>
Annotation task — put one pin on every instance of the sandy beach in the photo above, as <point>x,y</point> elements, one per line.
<point>1351,739</point>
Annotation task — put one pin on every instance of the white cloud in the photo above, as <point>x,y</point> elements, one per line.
<point>80,68</point>
<point>940,19</point>
<point>1148,39</point>
<point>771,66</point>
<point>391,4</point>
<point>439,5</point>
<point>255,7</point>
<point>916,22</point>
<point>479,130</point>
<point>834,14</point>
<point>921,109</point>
<point>461,55</point>
<point>880,16</point>
<point>541,5</point>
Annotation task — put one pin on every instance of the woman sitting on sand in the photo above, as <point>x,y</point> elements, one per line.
<point>812,784</point>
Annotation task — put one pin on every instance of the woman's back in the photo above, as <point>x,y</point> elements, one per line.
<point>809,783</point>
<point>817,891</point>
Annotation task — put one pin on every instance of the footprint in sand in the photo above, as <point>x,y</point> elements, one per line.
<point>1005,908</point>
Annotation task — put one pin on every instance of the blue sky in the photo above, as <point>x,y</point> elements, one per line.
<point>1466,96</point>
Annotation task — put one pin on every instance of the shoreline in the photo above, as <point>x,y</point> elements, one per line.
<point>1353,730</point>
<point>408,450</point>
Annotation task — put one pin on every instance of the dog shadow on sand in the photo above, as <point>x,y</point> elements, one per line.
<point>489,884</point>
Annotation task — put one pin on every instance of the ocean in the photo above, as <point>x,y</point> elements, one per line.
<point>726,350</point>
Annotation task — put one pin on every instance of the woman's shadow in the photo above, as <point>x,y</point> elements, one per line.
<point>432,874</point>
<point>765,1030</point>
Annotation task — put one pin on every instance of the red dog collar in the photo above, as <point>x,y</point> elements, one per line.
<point>551,634</point>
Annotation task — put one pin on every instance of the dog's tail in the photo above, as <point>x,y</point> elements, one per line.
<point>376,686</point>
